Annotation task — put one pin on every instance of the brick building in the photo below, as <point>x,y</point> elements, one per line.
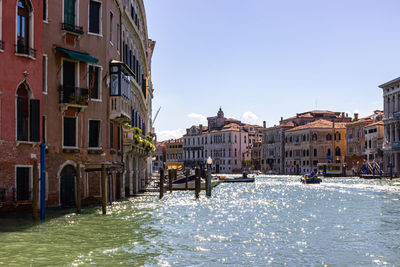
<point>21,84</point>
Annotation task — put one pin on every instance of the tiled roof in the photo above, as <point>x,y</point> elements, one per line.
<point>374,123</point>
<point>321,123</point>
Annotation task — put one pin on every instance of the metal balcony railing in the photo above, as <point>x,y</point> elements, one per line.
<point>21,48</point>
<point>74,95</point>
<point>72,28</point>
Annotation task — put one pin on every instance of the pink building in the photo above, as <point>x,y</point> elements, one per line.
<point>21,23</point>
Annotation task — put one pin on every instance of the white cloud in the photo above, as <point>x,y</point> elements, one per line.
<point>250,117</point>
<point>197,116</point>
<point>170,134</point>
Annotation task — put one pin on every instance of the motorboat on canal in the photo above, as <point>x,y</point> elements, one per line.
<point>243,179</point>
<point>310,178</point>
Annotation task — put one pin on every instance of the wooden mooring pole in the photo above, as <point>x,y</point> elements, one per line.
<point>197,183</point>
<point>35,197</point>
<point>104,188</point>
<point>170,174</point>
<point>187,173</point>
<point>78,188</point>
<point>208,183</point>
<point>161,171</point>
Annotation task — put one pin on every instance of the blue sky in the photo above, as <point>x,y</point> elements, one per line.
<point>262,59</point>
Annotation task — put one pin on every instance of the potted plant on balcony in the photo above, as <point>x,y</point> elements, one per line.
<point>72,98</point>
<point>82,100</point>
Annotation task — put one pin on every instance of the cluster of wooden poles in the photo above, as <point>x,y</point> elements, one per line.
<point>100,167</point>
<point>172,175</point>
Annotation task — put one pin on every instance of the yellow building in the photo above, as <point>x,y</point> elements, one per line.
<point>174,154</point>
<point>321,141</point>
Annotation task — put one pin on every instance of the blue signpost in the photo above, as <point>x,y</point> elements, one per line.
<point>42,180</point>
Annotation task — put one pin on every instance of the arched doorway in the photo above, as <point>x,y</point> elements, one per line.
<point>67,186</point>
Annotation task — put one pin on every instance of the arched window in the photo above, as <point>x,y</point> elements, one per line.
<point>315,152</point>
<point>328,137</point>
<point>338,136</point>
<point>329,152</point>
<point>24,28</point>
<point>28,115</point>
<point>314,137</point>
<point>337,151</point>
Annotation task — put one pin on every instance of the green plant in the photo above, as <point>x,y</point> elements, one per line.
<point>72,96</point>
<point>81,98</point>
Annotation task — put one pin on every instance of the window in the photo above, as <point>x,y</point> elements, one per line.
<point>23,183</point>
<point>70,15</point>
<point>44,75</point>
<point>94,133</point>
<point>45,13</point>
<point>338,152</point>
<point>111,26</point>
<point>23,28</point>
<point>94,17</point>
<point>94,83</point>
<point>314,137</point>
<point>28,116</point>
<point>111,135</point>
<point>315,152</point>
<point>119,137</point>
<point>328,137</point>
<point>69,132</point>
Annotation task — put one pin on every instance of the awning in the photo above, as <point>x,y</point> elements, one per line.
<point>78,55</point>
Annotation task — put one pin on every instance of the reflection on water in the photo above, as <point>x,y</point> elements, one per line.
<point>275,220</point>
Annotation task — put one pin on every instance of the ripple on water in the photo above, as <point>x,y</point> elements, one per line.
<point>276,221</point>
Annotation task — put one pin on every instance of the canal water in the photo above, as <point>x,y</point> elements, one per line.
<point>274,221</point>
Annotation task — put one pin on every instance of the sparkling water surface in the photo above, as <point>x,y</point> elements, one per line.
<point>275,221</point>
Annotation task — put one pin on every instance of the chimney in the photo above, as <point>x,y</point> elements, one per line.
<point>201,128</point>
<point>281,118</point>
<point>356,116</point>
<point>347,114</point>
<point>297,115</point>
<point>264,124</point>
<point>342,114</point>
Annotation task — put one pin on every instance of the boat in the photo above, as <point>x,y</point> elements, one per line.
<point>182,180</point>
<point>243,179</point>
<point>191,185</point>
<point>310,178</point>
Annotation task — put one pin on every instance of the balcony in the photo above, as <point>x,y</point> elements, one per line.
<point>1,45</point>
<point>23,49</point>
<point>72,28</point>
<point>74,96</point>
<point>120,109</point>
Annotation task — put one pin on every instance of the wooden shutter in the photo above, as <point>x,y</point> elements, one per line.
<point>94,133</point>
<point>20,120</point>
<point>22,183</point>
<point>34,120</point>
<point>94,17</point>
<point>69,131</point>
<point>119,137</point>
<point>111,135</point>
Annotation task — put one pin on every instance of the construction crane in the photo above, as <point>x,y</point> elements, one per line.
<point>155,117</point>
